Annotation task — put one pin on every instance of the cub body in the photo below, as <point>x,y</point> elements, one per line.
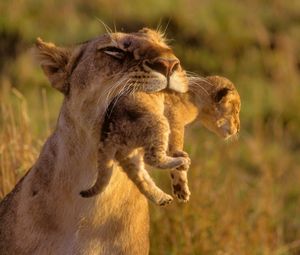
<point>150,128</point>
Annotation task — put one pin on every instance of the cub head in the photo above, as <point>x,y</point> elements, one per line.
<point>93,72</point>
<point>218,103</point>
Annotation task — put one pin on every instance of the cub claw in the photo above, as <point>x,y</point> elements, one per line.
<point>182,192</point>
<point>167,199</point>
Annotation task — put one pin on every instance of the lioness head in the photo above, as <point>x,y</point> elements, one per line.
<point>110,65</point>
<point>219,104</point>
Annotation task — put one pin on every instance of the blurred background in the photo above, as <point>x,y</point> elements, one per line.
<point>245,195</point>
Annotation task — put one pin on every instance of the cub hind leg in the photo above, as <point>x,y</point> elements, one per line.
<point>156,147</point>
<point>134,167</point>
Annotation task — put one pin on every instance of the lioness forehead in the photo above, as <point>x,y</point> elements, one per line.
<point>130,41</point>
<point>143,34</point>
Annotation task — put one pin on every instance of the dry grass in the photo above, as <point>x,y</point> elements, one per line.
<point>17,150</point>
<point>19,145</point>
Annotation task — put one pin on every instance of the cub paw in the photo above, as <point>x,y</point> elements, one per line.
<point>180,186</point>
<point>187,161</point>
<point>179,163</point>
<point>180,154</point>
<point>165,200</point>
<point>182,192</point>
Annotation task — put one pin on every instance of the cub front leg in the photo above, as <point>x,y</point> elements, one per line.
<point>179,179</point>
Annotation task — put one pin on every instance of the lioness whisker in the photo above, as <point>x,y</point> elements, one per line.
<point>197,79</point>
<point>116,86</point>
<point>106,27</point>
<point>121,93</point>
<point>165,30</point>
<point>135,88</point>
<point>108,92</point>
<point>197,85</point>
<point>158,27</point>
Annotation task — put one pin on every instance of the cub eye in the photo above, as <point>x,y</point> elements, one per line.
<point>114,52</point>
<point>220,94</point>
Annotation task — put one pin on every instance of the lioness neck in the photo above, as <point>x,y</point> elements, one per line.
<point>61,221</point>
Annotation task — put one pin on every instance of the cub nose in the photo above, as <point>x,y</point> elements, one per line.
<point>164,66</point>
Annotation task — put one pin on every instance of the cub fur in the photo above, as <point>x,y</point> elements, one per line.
<point>150,128</point>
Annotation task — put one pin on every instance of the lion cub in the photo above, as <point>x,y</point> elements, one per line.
<point>147,127</point>
<point>134,125</point>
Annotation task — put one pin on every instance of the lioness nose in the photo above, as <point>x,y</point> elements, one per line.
<point>164,66</point>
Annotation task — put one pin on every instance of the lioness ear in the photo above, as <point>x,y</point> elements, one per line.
<point>54,61</point>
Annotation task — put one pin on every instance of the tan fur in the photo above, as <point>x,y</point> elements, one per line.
<point>45,214</point>
<point>215,102</point>
<point>139,121</point>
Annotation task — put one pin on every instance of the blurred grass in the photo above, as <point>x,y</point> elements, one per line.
<point>245,195</point>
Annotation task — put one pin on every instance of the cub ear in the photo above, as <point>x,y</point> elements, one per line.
<point>221,94</point>
<point>54,61</point>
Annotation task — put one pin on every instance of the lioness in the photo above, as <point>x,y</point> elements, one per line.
<point>45,214</point>
<point>143,120</point>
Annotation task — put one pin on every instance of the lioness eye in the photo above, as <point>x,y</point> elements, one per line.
<point>221,93</point>
<point>114,52</point>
